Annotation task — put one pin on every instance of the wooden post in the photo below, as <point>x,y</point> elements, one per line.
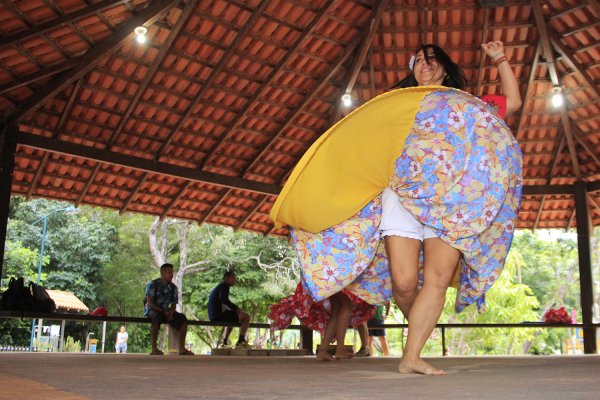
<point>307,340</point>
<point>585,265</point>
<point>8,149</point>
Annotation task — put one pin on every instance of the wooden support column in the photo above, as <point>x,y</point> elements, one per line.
<point>8,149</point>
<point>585,265</point>
<point>307,340</point>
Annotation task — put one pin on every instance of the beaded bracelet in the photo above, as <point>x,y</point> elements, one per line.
<point>500,60</point>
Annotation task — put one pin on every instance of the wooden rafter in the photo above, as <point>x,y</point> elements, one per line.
<point>205,87</point>
<point>56,134</point>
<point>58,22</point>
<point>215,205</point>
<point>552,71</point>
<point>251,212</point>
<point>134,191</point>
<point>36,76</point>
<point>484,37</point>
<point>586,147</point>
<point>236,123</point>
<point>595,6</point>
<point>143,85</point>
<point>146,17</point>
<point>266,83</point>
<point>339,62</point>
<point>570,221</point>
<point>358,60</point>
<point>175,199</point>
<point>143,164</point>
<point>365,44</point>
<point>568,56</point>
<point>532,72</point>
<point>567,11</point>
<point>559,149</point>
<point>231,51</point>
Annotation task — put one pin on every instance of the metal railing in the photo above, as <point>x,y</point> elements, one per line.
<point>307,341</point>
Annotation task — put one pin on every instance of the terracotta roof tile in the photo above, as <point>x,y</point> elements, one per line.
<point>251,111</point>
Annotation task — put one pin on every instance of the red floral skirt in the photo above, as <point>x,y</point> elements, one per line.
<point>314,315</point>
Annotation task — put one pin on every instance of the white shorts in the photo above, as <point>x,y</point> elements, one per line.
<point>397,221</point>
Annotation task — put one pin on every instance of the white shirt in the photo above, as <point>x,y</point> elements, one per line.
<point>122,337</point>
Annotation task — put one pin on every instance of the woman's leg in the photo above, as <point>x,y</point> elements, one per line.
<point>343,319</point>
<point>440,262</point>
<point>322,354</point>
<point>384,345</point>
<point>403,254</point>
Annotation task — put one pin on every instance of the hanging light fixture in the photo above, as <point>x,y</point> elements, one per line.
<point>557,97</point>
<point>347,100</point>
<point>140,34</point>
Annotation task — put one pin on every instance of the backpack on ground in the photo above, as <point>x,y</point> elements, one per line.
<point>42,302</point>
<point>17,297</point>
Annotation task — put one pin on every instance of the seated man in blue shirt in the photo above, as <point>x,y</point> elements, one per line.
<point>161,300</point>
<point>221,309</point>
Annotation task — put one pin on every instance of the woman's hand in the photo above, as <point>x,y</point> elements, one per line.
<point>494,50</point>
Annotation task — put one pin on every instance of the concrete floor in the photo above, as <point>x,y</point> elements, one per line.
<point>111,376</point>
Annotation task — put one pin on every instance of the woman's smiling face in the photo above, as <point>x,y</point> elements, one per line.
<point>428,73</point>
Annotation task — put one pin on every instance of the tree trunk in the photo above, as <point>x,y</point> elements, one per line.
<point>158,239</point>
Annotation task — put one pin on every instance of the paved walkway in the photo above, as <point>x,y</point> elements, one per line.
<point>123,377</point>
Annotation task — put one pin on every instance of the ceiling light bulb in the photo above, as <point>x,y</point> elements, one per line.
<point>347,100</point>
<point>140,34</point>
<point>557,97</point>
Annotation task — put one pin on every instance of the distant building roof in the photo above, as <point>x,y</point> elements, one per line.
<point>67,301</point>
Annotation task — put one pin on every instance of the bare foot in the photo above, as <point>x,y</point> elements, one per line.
<point>343,355</point>
<point>324,356</point>
<point>418,366</point>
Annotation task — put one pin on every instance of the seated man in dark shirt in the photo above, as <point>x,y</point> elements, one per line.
<point>161,299</point>
<point>221,309</point>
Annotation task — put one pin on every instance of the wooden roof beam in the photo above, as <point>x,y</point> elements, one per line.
<point>559,149</point>
<point>567,55</point>
<point>266,83</point>
<point>36,76</point>
<point>134,191</point>
<point>56,134</point>
<point>58,22</point>
<point>241,116</point>
<point>251,212</point>
<point>358,60</point>
<point>143,85</point>
<point>143,164</point>
<point>549,55</point>
<point>585,146</point>
<point>336,66</point>
<point>484,36</point>
<point>57,84</point>
<point>180,192</point>
<point>365,44</point>
<point>207,85</point>
<point>215,205</point>
<point>231,50</point>
<point>534,67</point>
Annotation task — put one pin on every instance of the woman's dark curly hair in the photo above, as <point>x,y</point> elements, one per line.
<point>455,77</point>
